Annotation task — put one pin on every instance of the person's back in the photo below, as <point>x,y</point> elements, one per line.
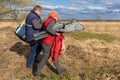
<point>34,25</point>
<point>32,20</point>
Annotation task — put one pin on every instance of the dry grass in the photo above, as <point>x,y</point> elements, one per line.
<point>88,59</point>
<point>93,59</point>
<point>112,28</point>
<point>4,24</point>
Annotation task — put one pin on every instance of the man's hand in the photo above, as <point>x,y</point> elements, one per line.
<point>58,34</point>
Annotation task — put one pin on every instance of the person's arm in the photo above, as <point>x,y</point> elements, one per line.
<point>50,28</point>
<point>37,24</point>
<point>63,45</point>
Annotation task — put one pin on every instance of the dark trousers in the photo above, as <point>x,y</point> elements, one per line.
<point>44,60</point>
<point>35,50</point>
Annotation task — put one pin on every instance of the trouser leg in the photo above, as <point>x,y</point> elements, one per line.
<point>31,57</point>
<point>38,50</point>
<point>58,67</point>
<point>44,60</point>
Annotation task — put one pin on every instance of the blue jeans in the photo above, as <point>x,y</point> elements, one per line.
<point>35,50</point>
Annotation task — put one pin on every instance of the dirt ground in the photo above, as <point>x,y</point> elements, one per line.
<point>90,59</point>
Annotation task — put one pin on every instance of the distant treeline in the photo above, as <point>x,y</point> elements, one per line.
<point>11,20</point>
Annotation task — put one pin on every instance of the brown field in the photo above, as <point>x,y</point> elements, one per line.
<point>112,28</point>
<point>89,59</point>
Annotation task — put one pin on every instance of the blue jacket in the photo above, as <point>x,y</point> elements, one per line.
<point>30,30</point>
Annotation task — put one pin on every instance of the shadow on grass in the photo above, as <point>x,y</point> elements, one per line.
<point>24,50</point>
<point>21,49</point>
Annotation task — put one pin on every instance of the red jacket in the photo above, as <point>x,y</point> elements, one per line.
<point>50,39</point>
<point>54,41</point>
<point>56,48</point>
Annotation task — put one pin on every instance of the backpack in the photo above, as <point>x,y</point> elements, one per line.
<point>20,31</point>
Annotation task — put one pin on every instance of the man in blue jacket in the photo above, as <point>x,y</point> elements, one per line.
<point>34,25</point>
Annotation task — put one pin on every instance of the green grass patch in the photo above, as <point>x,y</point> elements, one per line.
<point>65,76</point>
<point>51,77</point>
<point>17,70</point>
<point>87,35</point>
<point>26,77</point>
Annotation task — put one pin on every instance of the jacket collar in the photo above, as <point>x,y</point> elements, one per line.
<point>35,13</point>
<point>52,18</point>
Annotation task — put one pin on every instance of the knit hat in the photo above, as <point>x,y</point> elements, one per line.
<point>54,14</point>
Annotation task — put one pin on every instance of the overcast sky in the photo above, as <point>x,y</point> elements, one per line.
<point>83,9</point>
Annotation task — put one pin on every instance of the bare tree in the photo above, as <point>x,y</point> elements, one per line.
<point>12,8</point>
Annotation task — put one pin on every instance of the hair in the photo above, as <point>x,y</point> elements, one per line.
<point>37,7</point>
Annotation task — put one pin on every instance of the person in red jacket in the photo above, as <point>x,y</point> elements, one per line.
<point>51,45</point>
